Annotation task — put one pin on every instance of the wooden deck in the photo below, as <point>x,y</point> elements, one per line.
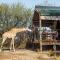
<point>51,44</point>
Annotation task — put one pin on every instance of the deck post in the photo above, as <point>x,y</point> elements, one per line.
<point>54,45</point>
<point>40,37</point>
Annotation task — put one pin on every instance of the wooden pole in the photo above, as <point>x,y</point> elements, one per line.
<point>40,37</point>
<point>54,45</point>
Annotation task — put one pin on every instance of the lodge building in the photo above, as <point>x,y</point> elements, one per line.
<point>48,16</point>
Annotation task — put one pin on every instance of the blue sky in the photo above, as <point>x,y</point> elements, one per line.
<point>32,3</point>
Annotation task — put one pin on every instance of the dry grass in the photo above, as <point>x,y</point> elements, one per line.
<point>58,58</point>
<point>23,55</point>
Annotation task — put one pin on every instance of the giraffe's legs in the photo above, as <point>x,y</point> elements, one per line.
<point>4,39</point>
<point>13,44</point>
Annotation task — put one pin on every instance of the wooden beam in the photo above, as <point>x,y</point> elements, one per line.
<point>50,17</point>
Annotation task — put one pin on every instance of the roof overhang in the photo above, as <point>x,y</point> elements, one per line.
<point>50,17</point>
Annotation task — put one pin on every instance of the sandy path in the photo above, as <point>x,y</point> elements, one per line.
<point>23,55</point>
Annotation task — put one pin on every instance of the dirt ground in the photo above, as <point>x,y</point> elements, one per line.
<point>23,55</point>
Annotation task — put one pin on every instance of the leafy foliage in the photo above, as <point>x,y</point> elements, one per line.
<point>14,16</point>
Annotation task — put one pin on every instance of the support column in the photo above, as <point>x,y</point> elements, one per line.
<point>40,37</point>
<point>54,45</point>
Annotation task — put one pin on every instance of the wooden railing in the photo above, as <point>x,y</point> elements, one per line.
<point>50,42</point>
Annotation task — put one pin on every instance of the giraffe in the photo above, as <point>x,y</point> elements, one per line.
<point>11,34</point>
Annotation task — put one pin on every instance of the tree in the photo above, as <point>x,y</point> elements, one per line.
<point>14,16</point>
